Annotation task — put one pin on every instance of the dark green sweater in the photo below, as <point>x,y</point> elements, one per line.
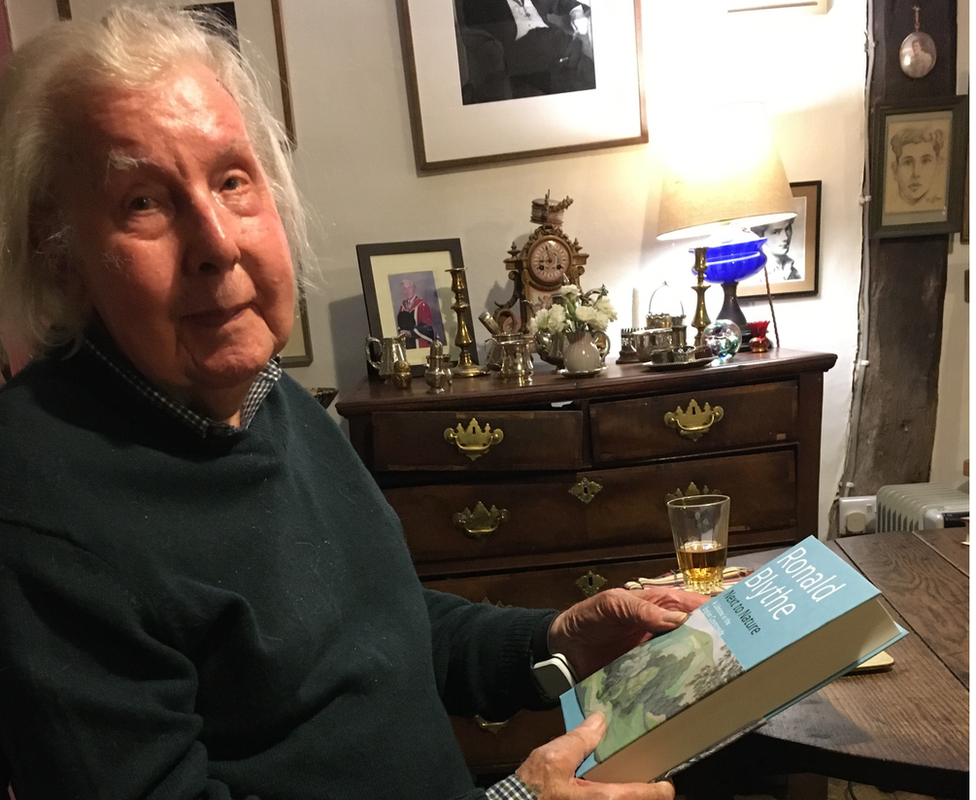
<point>222,617</point>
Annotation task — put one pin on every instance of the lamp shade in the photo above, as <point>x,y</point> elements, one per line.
<point>727,170</point>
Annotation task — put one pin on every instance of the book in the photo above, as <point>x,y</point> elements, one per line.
<point>781,633</point>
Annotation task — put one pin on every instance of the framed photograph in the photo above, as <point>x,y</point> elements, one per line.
<point>918,167</point>
<point>407,288</point>
<point>792,249</point>
<point>493,80</point>
<point>261,40</point>
<point>298,351</point>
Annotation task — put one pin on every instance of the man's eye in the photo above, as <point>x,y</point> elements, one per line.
<point>140,204</point>
<point>233,183</point>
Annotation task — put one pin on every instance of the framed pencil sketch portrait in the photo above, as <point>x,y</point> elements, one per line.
<point>918,167</point>
<point>792,249</point>
<point>493,80</point>
<point>261,40</point>
<point>407,289</point>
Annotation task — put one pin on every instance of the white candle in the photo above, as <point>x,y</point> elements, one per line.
<point>635,310</point>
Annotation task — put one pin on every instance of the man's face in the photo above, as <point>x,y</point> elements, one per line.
<point>778,238</point>
<point>409,290</point>
<point>915,170</point>
<point>179,248</point>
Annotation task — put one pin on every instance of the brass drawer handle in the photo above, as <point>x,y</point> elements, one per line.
<point>585,490</point>
<point>591,583</point>
<point>481,522</point>
<point>491,727</point>
<point>693,423</point>
<point>691,491</point>
<point>473,441</point>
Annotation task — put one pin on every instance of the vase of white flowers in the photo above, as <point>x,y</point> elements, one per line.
<point>572,333</point>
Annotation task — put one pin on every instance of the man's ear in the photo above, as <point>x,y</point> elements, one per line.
<point>49,238</point>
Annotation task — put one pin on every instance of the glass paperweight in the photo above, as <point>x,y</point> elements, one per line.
<point>722,337</point>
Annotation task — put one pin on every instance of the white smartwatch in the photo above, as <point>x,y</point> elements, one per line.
<point>554,676</point>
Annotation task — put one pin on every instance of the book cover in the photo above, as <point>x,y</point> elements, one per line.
<point>794,624</point>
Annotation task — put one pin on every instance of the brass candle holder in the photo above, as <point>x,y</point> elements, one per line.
<point>465,368</point>
<point>700,320</point>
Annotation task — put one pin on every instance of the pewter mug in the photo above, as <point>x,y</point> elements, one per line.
<point>391,350</point>
<point>516,358</point>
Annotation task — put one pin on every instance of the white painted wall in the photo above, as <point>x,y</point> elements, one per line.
<point>951,446</point>
<point>356,168</point>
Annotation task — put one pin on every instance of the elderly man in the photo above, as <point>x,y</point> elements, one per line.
<point>202,592</point>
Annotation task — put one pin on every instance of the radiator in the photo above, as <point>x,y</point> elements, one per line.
<point>921,506</point>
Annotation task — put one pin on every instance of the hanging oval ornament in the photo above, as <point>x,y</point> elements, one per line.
<point>917,52</point>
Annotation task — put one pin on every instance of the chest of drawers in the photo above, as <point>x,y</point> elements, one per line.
<point>540,495</point>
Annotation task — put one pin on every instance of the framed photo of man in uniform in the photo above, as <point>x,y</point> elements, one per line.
<point>407,289</point>
<point>918,170</point>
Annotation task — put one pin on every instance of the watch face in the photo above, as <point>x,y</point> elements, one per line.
<point>548,261</point>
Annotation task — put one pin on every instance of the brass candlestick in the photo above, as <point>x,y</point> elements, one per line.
<point>700,321</point>
<point>466,368</point>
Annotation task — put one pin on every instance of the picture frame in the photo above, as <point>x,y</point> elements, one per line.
<point>386,267</point>
<point>298,351</point>
<point>469,105</point>
<point>918,167</point>
<point>261,40</point>
<point>792,249</point>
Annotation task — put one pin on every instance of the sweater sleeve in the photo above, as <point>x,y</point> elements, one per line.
<point>483,656</point>
<point>92,704</point>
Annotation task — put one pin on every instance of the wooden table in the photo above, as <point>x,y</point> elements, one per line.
<point>906,729</point>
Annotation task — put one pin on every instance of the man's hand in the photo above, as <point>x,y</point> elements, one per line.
<point>549,771</point>
<point>594,632</point>
<point>579,21</point>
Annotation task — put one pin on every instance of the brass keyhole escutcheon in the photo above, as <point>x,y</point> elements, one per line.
<point>591,583</point>
<point>585,490</point>
<point>694,422</point>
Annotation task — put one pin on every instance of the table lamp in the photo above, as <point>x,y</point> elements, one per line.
<point>721,179</point>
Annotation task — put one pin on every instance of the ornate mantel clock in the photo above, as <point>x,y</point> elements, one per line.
<point>547,261</point>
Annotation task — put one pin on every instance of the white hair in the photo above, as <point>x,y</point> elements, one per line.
<point>129,48</point>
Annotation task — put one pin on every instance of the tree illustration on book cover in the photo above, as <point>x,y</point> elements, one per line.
<point>655,681</point>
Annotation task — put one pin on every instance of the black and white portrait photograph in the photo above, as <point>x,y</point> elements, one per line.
<point>523,48</point>
<point>791,248</point>
<point>501,80</point>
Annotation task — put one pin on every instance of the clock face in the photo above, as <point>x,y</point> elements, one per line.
<point>548,261</point>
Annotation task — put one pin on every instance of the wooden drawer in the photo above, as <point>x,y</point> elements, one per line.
<point>752,416</point>
<point>631,504</point>
<point>531,440</point>
<point>539,516</point>
<point>552,588</point>
<point>625,517</point>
